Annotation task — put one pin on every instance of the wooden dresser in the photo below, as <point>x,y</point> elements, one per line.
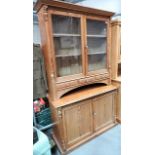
<point>76,41</point>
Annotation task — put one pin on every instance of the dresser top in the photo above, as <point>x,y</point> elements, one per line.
<point>70,6</point>
<point>82,94</point>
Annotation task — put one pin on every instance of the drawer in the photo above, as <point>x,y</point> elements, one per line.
<point>90,79</point>
<point>67,85</point>
<point>82,81</point>
<point>100,77</point>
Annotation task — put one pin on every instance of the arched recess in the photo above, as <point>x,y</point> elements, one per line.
<point>83,88</point>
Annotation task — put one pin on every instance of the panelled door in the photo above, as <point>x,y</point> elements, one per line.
<point>103,109</point>
<point>71,124</point>
<point>77,122</point>
<point>86,119</point>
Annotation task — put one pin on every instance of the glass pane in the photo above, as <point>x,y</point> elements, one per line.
<point>65,24</point>
<point>67,43</point>
<point>96,45</point>
<point>67,46</point>
<point>96,41</point>
<point>68,55</point>
<point>95,27</point>
<point>97,62</point>
<point>68,66</point>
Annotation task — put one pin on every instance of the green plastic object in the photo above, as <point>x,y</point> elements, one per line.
<point>43,118</point>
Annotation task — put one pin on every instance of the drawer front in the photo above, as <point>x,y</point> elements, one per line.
<point>81,82</point>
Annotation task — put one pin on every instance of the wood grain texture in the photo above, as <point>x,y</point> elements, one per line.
<point>83,46</point>
<point>115,61</point>
<point>77,122</point>
<point>82,83</point>
<point>82,94</point>
<point>103,111</point>
<point>115,47</point>
<point>83,113</point>
<point>45,46</point>
<point>117,83</point>
<point>71,124</point>
<point>70,6</point>
<point>60,85</point>
<point>85,119</point>
<point>84,80</point>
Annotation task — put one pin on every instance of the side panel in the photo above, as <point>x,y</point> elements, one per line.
<point>46,44</point>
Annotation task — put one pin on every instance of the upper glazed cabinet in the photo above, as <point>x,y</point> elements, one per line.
<point>70,48</point>
<point>75,43</point>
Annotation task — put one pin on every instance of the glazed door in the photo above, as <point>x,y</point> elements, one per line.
<point>103,109</point>
<point>78,122</point>
<point>96,43</point>
<point>66,31</point>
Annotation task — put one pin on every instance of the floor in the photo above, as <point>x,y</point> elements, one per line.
<point>108,143</point>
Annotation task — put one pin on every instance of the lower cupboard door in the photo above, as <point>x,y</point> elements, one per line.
<point>71,121</point>
<point>86,119</point>
<point>78,122</point>
<point>103,109</point>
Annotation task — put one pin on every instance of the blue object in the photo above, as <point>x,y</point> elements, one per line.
<point>42,146</point>
<point>108,143</point>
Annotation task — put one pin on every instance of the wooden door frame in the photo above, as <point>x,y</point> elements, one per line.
<point>106,20</point>
<point>69,14</point>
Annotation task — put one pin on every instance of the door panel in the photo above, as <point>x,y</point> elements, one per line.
<point>78,122</point>
<point>86,122</point>
<point>71,123</point>
<point>103,111</point>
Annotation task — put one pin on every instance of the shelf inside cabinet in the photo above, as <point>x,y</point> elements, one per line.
<point>96,53</point>
<point>97,36</point>
<point>65,35</point>
<point>63,55</point>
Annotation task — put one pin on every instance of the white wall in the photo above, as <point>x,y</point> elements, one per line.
<point>36,31</point>
<point>108,5</point>
<point>36,34</point>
